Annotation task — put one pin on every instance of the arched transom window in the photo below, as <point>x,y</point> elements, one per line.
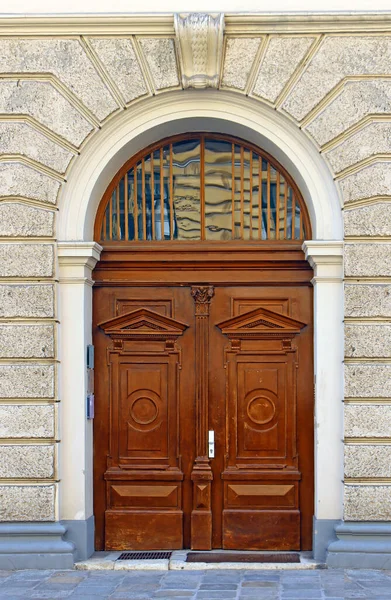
<point>202,187</point>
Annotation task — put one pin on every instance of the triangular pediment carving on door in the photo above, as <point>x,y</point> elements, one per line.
<point>143,324</point>
<point>260,323</point>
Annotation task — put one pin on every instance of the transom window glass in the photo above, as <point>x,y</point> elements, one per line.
<point>202,187</point>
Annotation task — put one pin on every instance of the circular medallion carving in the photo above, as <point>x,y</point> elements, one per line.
<point>261,410</point>
<point>144,409</point>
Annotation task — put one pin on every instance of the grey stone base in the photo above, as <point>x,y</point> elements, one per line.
<point>361,546</point>
<point>324,534</point>
<point>81,534</point>
<point>35,546</point>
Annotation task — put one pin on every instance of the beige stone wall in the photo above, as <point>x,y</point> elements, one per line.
<point>57,91</point>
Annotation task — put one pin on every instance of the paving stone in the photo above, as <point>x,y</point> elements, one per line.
<point>218,586</point>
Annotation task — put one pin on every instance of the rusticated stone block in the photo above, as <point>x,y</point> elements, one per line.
<point>26,300</point>
<point>283,55</point>
<point>26,341</point>
<point>119,58</point>
<point>17,179</point>
<point>21,138</point>
<point>239,57</point>
<point>160,56</point>
<point>348,55</point>
<point>367,461</point>
<point>26,461</point>
<point>26,421</point>
<point>356,100</point>
<point>17,219</point>
<point>66,59</point>
<point>43,102</point>
<point>372,139</point>
<point>374,180</point>
<point>26,260</point>
<point>26,381</point>
<point>368,340</point>
<point>367,260</point>
<point>372,220</point>
<point>27,502</point>
<point>365,380</point>
<point>367,300</point>
<point>367,503</point>
<point>367,420</point>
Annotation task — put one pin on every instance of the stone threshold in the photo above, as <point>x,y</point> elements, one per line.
<point>177,562</point>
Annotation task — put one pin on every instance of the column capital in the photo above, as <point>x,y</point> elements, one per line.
<point>76,261</point>
<point>326,258</point>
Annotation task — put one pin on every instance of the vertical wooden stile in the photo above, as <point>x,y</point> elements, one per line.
<point>135,204</point>
<point>251,195</point>
<point>301,232</point>
<point>285,206</point>
<point>268,201</point>
<point>202,187</point>
<point>293,216</point>
<point>161,196</point>
<point>111,218</point>
<point>278,206</point>
<point>126,207</point>
<point>233,190</point>
<point>104,227</point>
<point>153,196</point>
<point>260,196</point>
<point>171,198</point>
<point>241,192</point>
<point>143,199</point>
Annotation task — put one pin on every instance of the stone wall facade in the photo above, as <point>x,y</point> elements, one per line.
<point>57,91</point>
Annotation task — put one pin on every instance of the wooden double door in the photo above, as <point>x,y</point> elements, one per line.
<point>177,361</point>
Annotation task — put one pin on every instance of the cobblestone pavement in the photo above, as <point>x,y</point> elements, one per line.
<point>196,585</point>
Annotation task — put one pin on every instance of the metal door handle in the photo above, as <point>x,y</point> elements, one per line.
<point>211,444</point>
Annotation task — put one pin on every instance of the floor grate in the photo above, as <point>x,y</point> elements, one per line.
<point>250,557</point>
<point>144,555</point>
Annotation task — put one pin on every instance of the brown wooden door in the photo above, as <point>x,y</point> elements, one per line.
<point>175,359</point>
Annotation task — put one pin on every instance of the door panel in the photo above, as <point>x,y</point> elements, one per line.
<point>167,370</point>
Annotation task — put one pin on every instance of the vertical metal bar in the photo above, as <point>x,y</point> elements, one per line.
<point>153,196</point>
<point>143,199</point>
<point>111,218</point>
<point>241,192</point>
<point>118,213</point>
<point>293,216</point>
<point>285,207</point>
<point>278,207</point>
<point>233,190</point>
<point>260,197</point>
<point>161,196</point>
<point>268,200</point>
<point>171,198</point>
<point>135,204</point>
<point>202,186</point>
<point>126,207</point>
<point>251,195</point>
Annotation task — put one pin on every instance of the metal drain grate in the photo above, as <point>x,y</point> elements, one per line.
<point>144,555</point>
<point>251,557</point>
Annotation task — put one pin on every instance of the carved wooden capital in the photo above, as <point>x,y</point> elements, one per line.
<point>200,47</point>
<point>202,296</point>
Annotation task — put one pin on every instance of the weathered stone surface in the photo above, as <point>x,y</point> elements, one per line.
<point>26,341</point>
<point>26,461</point>
<point>356,100</point>
<point>27,502</point>
<point>372,220</point>
<point>374,180</point>
<point>21,138</point>
<point>120,61</point>
<point>17,179</point>
<point>26,260</point>
<point>367,420</point>
<point>365,380</point>
<point>282,57</point>
<point>40,100</point>
<point>26,381</point>
<point>373,139</point>
<point>367,461</point>
<point>160,56</point>
<point>26,300</point>
<point>26,421</point>
<point>336,58</point>
<point>66,59</point>
<point>367,300</point>
<point>367,503</point>
<point>368,340</point>
<point>239,58</point>
<point>17,219</point>
<point>367,260</point>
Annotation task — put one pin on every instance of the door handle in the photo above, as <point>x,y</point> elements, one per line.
<point>211,444</point>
